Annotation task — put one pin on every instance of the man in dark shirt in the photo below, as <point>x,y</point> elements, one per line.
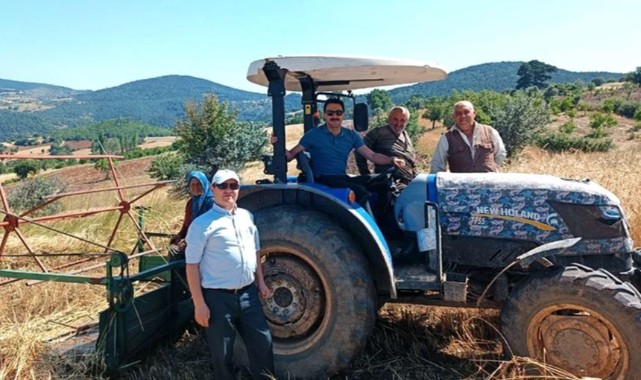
<point>391,140</point>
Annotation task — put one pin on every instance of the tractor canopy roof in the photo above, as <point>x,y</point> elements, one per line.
<point>333,73</point>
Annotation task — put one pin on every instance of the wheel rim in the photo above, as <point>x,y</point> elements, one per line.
<point>298,312</point>
<point>578,340</point>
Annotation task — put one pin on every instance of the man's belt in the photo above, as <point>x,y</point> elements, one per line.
<point>234,291</point>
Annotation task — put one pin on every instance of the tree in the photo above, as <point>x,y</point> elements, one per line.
<point>415,101</point>
<point>534,73</point>
<point>413,129</point>
<point>30,193</point>
<point>167,166</point>
<point>518,120</point>
<point>436,110</point>
<point>379,102</point>
<point>211,137</point>
<point>24,168</point>
<point>600,122</point>
<point>112,146</point>
<point>103,166</point>
<point>634,77</point>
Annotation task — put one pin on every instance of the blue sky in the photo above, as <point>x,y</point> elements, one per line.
<point>95,44</point>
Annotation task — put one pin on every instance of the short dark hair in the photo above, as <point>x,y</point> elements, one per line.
<point>333,101</point>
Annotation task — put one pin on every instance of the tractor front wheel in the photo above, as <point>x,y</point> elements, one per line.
<point>584,321</point>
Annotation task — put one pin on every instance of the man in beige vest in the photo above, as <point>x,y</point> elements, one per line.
<point>468,146</point>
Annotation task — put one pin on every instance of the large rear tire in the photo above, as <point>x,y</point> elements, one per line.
<point>582,320</point>
<point>324,303</point>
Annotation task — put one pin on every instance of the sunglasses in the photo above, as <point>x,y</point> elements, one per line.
<point>225,186</point>
<point>332,113</point>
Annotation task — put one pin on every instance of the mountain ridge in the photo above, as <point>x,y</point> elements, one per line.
<point>495,76</point>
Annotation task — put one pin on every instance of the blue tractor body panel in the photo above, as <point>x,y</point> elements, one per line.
<point>334,202</point>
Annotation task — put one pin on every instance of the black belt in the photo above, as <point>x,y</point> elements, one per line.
<point>234,291</point>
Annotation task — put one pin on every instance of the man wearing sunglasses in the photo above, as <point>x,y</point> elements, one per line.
<point>330,145</point>
<point>225,279</point>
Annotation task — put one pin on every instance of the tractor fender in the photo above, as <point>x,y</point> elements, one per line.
<point>354,220</point>
<point>539,253</point>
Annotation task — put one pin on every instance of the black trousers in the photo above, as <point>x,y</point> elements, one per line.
<point>242,312</point>
<point>362,186</point>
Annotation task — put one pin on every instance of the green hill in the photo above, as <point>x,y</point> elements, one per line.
<point>157,101</point>
<point>28,108</point>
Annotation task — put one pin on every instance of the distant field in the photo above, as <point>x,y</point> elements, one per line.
<point>149,142</point>
<point>154,142</point>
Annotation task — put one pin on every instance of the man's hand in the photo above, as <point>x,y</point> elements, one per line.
<point>264,290</point>
<point>201,314</point>
<point>398,162</point>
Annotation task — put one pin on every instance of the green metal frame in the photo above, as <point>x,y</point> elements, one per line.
<point>132,324</point>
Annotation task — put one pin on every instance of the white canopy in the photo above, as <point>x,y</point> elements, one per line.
<point>346,73</point>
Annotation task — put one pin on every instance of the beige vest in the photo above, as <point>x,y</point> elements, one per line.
<point>459,156</point>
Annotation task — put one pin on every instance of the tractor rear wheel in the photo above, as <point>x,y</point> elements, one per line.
<point>585,321</point>
<point>324,303</point>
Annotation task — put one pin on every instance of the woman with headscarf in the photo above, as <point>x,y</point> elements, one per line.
<point>200,202</point>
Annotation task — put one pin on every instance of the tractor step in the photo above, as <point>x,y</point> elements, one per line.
<point>416,277</point>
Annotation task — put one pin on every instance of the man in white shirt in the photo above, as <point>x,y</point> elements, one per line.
<point>225,279</point>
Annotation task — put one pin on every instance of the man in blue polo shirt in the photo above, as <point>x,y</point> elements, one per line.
<point>330,144</point>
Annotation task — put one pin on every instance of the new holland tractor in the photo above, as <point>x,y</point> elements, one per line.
<point>554,255</point>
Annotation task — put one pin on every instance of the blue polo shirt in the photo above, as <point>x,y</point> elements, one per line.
<point>329,153</point>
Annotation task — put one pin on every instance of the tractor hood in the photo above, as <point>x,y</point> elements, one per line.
<point>494,203</point>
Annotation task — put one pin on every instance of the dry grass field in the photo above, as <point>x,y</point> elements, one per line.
<point>408,342</point>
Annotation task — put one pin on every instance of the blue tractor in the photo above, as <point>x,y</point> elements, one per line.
<point>554,255</point>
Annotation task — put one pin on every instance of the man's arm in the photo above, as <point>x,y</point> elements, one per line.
<point>439,158</point>
<point>370,140</point>
<point>291,154</point>
<point>263,289</point>
<point>361,164</point>
<point>201,311</point>
<point>499,148</point>
<point>380,159</point>
<point>196,241</point>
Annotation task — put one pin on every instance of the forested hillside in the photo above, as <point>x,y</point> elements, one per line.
<point>497,77</point>
<point>158,102</point>
<point>28,108</point>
